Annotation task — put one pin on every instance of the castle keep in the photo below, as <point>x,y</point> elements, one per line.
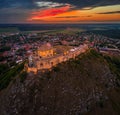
<point>46,57</point>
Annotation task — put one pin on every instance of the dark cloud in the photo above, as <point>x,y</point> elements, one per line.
<point>11,10</point>
<point>68,17</point>
<point>88,3</point>
<point>115,12</point>
<point>87,16</point>
<point>77,3</point>
<point>17,4</point>
<point>73,16</point>
<point>13,15</point>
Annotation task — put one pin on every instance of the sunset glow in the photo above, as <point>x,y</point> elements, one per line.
<point>63,14</point>
<point>50,11</point>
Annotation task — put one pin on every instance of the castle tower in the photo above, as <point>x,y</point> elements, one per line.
<point>30,59</point>
<point>45,51</point>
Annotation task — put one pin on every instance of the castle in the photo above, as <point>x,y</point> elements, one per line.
<point>46,57</point>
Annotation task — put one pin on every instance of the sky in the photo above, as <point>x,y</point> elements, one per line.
<point>59,11</point>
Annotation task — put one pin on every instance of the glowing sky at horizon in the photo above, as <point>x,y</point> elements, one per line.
<point>63,14</point>
<point>59,11</point>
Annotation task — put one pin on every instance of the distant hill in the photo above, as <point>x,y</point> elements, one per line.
<point>86,85</point>
<point>36,27</point>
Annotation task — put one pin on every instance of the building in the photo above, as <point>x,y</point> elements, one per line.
<point>46,58</point>
<point>45,50</point>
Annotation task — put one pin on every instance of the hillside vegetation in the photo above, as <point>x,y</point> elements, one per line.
<point>8,75</point>
<point>86,85</point>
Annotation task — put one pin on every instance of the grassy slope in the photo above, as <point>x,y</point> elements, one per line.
<point>8,76</point>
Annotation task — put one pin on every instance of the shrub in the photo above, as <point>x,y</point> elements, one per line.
<point>23,76</point>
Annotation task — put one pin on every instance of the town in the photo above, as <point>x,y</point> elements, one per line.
<point>17,47</point>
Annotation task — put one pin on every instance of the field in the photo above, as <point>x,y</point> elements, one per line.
<point>69,31</point>
<point>9,29</point>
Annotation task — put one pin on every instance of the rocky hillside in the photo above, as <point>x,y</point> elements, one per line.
<point>87,85</point>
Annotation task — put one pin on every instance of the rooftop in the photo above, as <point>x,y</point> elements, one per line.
<point>45,47</point>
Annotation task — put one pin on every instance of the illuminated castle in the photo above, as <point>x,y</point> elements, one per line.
<point>46,57</point>
<point>45,50</point>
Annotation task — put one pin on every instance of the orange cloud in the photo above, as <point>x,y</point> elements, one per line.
<point>65,15</point>
<point>49,12</point>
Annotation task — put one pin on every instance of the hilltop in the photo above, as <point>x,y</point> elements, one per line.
<point>88,84</point>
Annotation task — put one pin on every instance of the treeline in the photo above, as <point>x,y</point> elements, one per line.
<point>114,33</point>
<point>3,67</point>
<point>5,48</point>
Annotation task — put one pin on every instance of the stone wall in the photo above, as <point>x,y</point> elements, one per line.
<point>48,63</point>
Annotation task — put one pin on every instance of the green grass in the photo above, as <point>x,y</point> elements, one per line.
<point>23,76</point>
<point>9,29</point>
<point>71,31</point>
<point>6,78</point>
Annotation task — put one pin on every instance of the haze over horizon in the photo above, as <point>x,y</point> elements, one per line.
<point>59,11</point>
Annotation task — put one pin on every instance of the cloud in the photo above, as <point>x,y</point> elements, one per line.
<point>88,16</point>
<point>88,3</point>
<point>68,17</point>
<point>45,4</point>
<point>56,3</point>
<point>13,10</point>
<point>13,15</point>
<point>48,12</point>
<point>27,4</point>
<point>73,16</point>
<point>114,12</point>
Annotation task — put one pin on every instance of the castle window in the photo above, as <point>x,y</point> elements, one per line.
<point>58,60</point>
<point>51,63</point>
<point>41,64</point>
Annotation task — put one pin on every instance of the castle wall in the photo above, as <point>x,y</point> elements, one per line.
<point>46,53</point>
<point>48,63</point>
<point>33,69</point>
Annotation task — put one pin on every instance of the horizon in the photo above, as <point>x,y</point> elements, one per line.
<point>59,11</point>
<point>99,23</point>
